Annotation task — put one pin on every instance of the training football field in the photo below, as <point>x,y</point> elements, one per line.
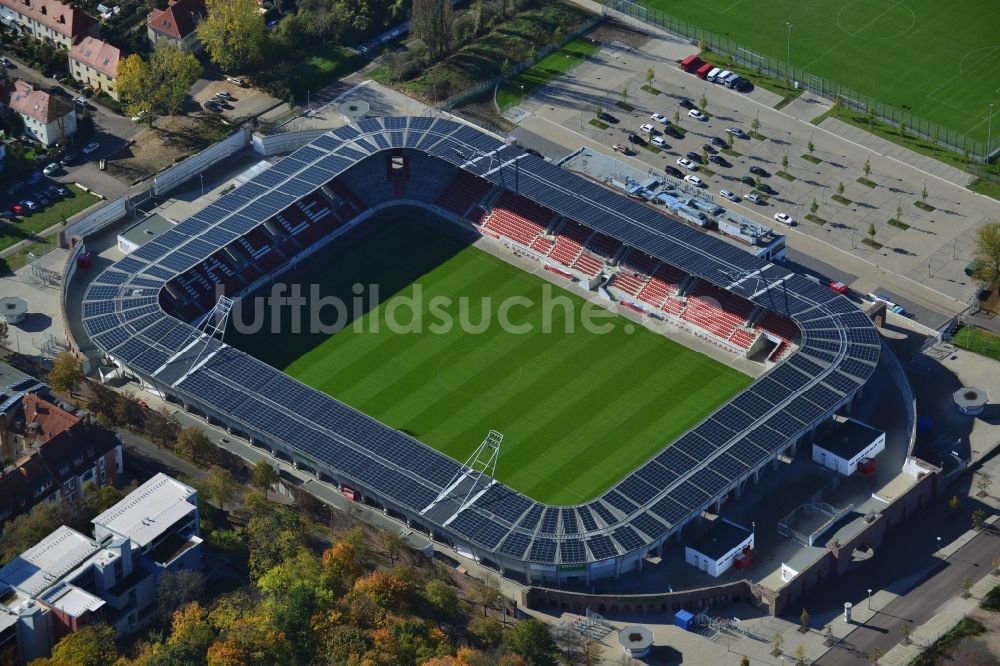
<point>937,60</point>
<point>577,411</point>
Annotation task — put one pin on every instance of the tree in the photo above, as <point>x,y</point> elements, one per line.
<point>26,530</point>
<point>703,103</point>
<point>804,619</point>
<point>800,654</point>
<point>677,116</point>
<point>487,592</point>
<point>954,503</point>
<point>392,543</point>
<point>598,110</point>
<point>966,586</point>
<point>777,642</point>
<point>158,85</point>
<point>178,588</point>
<point>129,412</point>
<point>486,631</point>
<point>162,425</point>
<point>811,146</point>
<point>593,654</point>
<point>263,475</point>
<point>624,96</point>
<point>95,500</point>
<point>870,115</point>
<point>923,195</point>
<point>872,230</point>
<point>66,373</point>
<point>904,631</point>
<point>730,139</point>
<point>650,76</point>
<point>755,123</point>
<point>193,443</point>
<point>293,618</point>
<point>987,252</point>
<point>840,189</point>
<point>899,212</point>
<point>4,334</point>
<point>442,597</point>
<point>983,483</point>
<point>867,168</point>
<point>220,487</point>
<point>875,655</point>
<point>813,207</point>
<point>784,161</point>
<point>978,516</point>
<point>902,129</point>
<point>704,156</point>
<point>431,22</point>
<point>532,640</point>
<point>233,33</point>
<point>744,661</point>
<point>92,645</point>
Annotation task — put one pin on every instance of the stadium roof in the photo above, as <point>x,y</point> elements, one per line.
<point>838,353</point>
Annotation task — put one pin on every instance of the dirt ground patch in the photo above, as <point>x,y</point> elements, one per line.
<point>609,31</point>
<point>170,139</point>
<point>981,650</point>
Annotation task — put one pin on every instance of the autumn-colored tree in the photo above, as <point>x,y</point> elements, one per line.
<point>340,566</point>
<point>273,537</point>
<point>442,597</point>
<point>486,631</point>
<point>392,543</point>
<point>532,640</point>
<point>90,646</point>
<point>66,373</point>
<point>303,567</point>
<point>233,33</point>
<point>487,592</point>
<point>263,475</point>
<point>194,443</point>
<point>385,590</point>
<point>987,250</point>
<point>250,640</point>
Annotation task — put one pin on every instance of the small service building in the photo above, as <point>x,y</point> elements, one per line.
<point>725,545</point>
<point>850,446</point>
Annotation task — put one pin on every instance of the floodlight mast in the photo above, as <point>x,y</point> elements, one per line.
<point>482,462</point>
<point>211,325</point>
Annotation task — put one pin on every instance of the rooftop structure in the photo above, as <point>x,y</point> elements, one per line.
<point>35,570</point>
<point>177,23</point>
<point>148,511</point>
<point>143,231</point>
<point>97,55</point>
<point>58,18</point>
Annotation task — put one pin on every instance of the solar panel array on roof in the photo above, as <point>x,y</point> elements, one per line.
<point>839,351</point>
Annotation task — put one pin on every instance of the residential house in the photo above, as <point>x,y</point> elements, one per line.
<point>177,23</point>
<point>47,118</point>
<point>69,580</point>
<point>95,63</point>
<point>50,454</point>
<point>50,21</point>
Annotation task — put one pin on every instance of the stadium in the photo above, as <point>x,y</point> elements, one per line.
<point>156,314</point>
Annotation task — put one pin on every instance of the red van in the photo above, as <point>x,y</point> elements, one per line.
<point>702,72</point>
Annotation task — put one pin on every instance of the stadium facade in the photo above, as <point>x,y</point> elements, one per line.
<point>142,313</point>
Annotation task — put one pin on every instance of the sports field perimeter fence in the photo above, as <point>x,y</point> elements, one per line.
<point>780,69</point>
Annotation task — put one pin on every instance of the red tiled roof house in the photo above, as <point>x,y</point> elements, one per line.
<point>47,118</point>
<point>48,21</point>
<point>95,63</point>
<point>177,23</point>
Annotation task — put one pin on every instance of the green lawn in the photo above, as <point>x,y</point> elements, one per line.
<point>977,340</point>
<point>55,213</point>
<point>578,411</point>
<point>938,60</point>
<point>516,88</point>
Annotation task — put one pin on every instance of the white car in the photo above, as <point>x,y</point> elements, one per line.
<point>687,164</point>
<point>737,132</point>
<point>697,115</point>
<point>660,118</point>
<point>694,180</point>
<point>659,141</point>
<point>647,128</point>
<point>784,218</point>
<point>729,194</point>
<point>722,76</point>
<point>91,148</point>
<point>753,198</point>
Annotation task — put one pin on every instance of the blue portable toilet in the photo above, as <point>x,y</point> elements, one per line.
<point>684,619</point>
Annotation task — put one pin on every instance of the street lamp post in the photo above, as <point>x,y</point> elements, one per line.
<point>788,50</point>
<point>869,598</point>
<point>989,133</point>
<point>202,177</point>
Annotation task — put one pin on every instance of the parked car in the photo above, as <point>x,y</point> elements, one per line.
<point>687,164</point>
<point>660,141</point>
<point>34,178</point>
<point>694,180</point>
<point>722,76</point>
<point>697,115</point>
<point>748,180</point>
<point>759,171</point>
<point>51,168</point>
<point>721,143</point>
<point>7,216</point>
<point>839,287</point>
<point>91,148</point>
<point>729,194</point>
<point>670,130</point>
<point>694,157</point>
<point>30,204</point>
<point>737,132</point>
<point>5,61</point>
<point>68,158</point>
<point>660,118</point>
<point>766,189</point>
<point>622,148</point>
<point>17,209</point>
<point>608,118</point>
<point>732,81</point>
<point>673,171</point>
<point>712,73</point>
<point>709,148</point>
<point>647,128</point>
<point>720,160</point>
<point>754,198</point>
<point>784,218</point>
<point>237,81</point>
<point>80,101</point>
<point>42,198</point>
<point>57,191</point>
<point>636,139</point>
<point>685,103</point>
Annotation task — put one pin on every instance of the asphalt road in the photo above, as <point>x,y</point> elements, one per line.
<point>917,606</point>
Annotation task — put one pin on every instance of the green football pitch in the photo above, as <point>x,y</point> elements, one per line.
<point>938,60</point>
<point>577,411</point>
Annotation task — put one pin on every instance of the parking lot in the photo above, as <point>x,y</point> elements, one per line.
<point>922,258</point>
<point>242,102</point>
